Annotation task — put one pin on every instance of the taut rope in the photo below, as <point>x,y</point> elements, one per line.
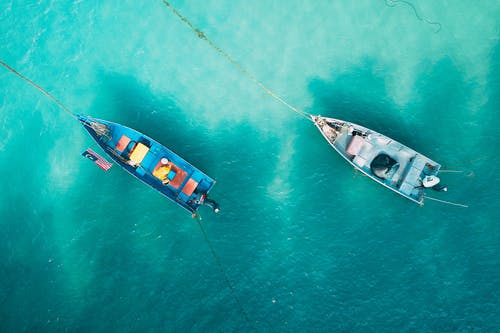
<point>45,92</point>
<point>202,36</point>
<point>223,272</point>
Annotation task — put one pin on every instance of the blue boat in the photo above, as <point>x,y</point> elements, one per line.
<point>152,163</point>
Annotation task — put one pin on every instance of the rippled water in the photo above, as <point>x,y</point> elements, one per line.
<point>307,244</point>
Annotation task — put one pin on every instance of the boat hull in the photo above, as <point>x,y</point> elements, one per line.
<point>151,162</point>
<point>384,160</point>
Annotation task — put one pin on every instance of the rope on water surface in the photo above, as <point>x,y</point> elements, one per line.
<point>447,202</point>
<point>202,36</point>
<point>451,171</point>
<point>61,105</point>
<point>392,3</point>
<point>223,272</point>
<point>469,172</point>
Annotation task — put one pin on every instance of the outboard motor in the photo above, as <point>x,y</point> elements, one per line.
<point>433,182</point>
<point>430,181</point>
<point>203,200</point>
<point>212,204</point>
<point>440,188</point>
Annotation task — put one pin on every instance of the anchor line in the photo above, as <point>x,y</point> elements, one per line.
<point>392,3</point>
<point>447,202</point>
<point>223,272</point>
<point>45,92</point>
<point>204,37</point>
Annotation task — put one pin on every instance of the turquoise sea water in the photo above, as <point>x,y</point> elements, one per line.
<point>308,244</point>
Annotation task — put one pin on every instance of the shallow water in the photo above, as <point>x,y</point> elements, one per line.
<point>308,244</point>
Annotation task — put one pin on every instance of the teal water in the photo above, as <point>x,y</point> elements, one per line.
<point>308,245</point>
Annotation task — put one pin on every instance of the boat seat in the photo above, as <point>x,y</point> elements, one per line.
<point>122,143</point>
<point>179,177</point>
<point>359,161</point>
<point>138,153</point>
<point>366,150</point>
<point>411,176</point>
<point>190,186</point>
<point>355,145</point>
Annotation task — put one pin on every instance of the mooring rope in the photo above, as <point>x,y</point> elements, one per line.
<point>202,36</point>
<point>223,273</point>
<point>446,202</point>
<point>392,3</point>
<point>469,173</point>
<point>45,92</point>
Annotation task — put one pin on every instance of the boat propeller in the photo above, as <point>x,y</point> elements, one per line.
<point>440,188</point>
<point>212,204</point>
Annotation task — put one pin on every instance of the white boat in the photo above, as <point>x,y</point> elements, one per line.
<point>381,158</point>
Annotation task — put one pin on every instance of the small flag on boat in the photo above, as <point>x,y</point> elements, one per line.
<point>97,159</point>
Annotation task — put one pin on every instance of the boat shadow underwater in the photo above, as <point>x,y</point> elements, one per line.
<point>132,103</point>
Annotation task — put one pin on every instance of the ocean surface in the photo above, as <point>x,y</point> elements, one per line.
<point>306,243</point>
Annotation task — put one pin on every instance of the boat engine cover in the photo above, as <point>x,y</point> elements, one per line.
<point>430,181</point>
